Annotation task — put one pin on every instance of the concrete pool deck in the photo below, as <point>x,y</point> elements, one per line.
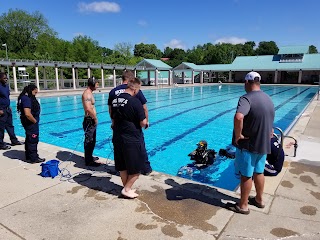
<point>84,204</point>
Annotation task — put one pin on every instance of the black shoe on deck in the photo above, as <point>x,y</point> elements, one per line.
<point>5,147</point>
<point>38,160</point>
<point>16,143</point>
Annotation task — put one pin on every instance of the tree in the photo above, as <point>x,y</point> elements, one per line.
<point>149,51</point>
<point>167,51</point>
<point>85,49</point>
<point>124,49</point>
<point>21,30</point>
<point>267,48</point>
<point>177,56</point>
<point>313,49</point>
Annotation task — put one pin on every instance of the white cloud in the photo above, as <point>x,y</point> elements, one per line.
<point>175,43</point>
<point>232,40</point>
<point>99,7</point>
<point>142,23</point>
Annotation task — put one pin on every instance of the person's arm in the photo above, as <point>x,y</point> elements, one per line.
<point>145,109</point>
<point>88,107</point>
<point>238,125</point>
<point>110,114</point>
<point>144,123</point>
<point>28,114</point>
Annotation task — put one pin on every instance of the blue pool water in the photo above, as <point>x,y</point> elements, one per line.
<point>179,119</point>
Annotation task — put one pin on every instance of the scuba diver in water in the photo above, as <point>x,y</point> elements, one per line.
<point>202,158</point>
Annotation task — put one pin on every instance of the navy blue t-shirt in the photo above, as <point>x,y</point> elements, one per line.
<point>4,96</point>
<point>276,157</point>
<point>127,113</point>
<point>120,89</point>
<point>26,103</point>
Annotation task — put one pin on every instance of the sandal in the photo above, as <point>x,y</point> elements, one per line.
<point>253,201</point>
<point>235,208</point>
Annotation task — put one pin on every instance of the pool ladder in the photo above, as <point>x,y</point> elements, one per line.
<point>282,138</point>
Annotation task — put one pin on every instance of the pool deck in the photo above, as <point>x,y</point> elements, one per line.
<point>86,205</point>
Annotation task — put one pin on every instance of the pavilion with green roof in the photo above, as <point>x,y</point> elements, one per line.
<point>154,72</point>
<point>292,64</point>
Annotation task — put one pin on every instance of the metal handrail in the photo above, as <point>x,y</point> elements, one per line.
<point>286,136</point>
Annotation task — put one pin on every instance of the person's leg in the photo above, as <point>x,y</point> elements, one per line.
<point>127,190</point>
<point>245,188</point>
<point>10,128</point>
<point>33,140</point>
<point>147,166</point>
<point>244,166</point>
<point>259,185</point>
<point>124,177</point>
<point>3,119</point>
<point>258,176</point>
<point>89,130</point>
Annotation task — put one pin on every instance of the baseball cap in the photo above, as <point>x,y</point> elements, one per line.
<point>252,76</point>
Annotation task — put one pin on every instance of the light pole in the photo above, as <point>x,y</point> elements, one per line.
<point>5,45</point>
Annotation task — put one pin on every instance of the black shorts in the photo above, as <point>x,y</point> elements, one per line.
<point>129,156</point>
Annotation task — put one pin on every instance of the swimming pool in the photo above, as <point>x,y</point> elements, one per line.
<point>179,119</point>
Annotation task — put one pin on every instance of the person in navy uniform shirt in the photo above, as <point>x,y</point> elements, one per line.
<point>29,109</point>
<point>275,159</point>
<point>126,76</point>
<point>128,119</point>
<point>6,114</point>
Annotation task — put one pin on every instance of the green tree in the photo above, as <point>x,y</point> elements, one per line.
<point>149,51</point>
<point>20,30</point>
<point>124,49</point>
<point>85,49</point>
<point>313,49</point>
<point>267,48</point>
<point>177,56</point>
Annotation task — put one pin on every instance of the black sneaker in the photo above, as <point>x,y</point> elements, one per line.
<point>93,164</point>
<point>5,147</point>
<point>38,160</point>
<point>147,173</point>
<point>16,143</point>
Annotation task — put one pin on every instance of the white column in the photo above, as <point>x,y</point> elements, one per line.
<point>170,77</point>
<point>300,76</point>
<point>45,83</point>
<point>37,78</point>
<point>102,78</point>
<point>114,78</point>
<point>156,77</point>
<point>15,78</point>
<point>135,73</point>
<point>61,77</point>
<point>201,77</point>
<point>192,77</point>
<point>89,72</point>
<point>74,78</point>
<point>230,76</point>
<point>275,80</point>
<point>57,77</point>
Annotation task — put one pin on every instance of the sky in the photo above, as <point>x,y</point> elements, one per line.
<point>180,23</point>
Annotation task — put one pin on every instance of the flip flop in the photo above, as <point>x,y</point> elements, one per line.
<point>253,201</point>
<point>235,208</point>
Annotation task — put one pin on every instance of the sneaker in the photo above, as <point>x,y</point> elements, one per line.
<point>5,147</point>
<point>38,160</point>
<point>147,173</point>
<point>16,143</point>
